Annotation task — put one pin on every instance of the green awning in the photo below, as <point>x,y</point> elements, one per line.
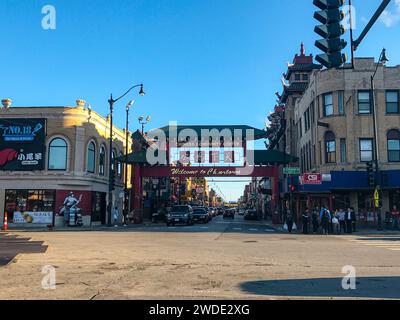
<point>272,157</point>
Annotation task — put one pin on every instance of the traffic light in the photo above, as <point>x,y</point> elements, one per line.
<point>331,30</point>
<point>293,188</point>
<point>371,175</point>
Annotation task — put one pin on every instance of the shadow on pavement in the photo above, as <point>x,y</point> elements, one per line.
<point>366,288</point>
<point>11,245</point>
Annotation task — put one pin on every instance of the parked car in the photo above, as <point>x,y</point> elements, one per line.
<point>181,214</point>
<point>229,214</point>
<point>200,215</point>
<point>207,209</point>
<point>241,212</point>
<point>220,211</point>
<point>159,216</point>
<point>251,214</point>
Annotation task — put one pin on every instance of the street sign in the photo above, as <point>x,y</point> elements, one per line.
<point>312,178</point>
<point>292,170</point>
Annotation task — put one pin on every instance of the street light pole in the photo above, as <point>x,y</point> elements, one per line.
<point>126,191</point>
<point>111,102</point>
<point>382,60</point>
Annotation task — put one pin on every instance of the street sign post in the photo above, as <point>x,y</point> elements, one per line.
<point>376,198</point>
<point>291,170</point>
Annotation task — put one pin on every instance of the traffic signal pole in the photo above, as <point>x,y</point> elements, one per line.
<point>368,27</point>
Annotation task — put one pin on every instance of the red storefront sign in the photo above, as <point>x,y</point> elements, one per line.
<point>312,178</point>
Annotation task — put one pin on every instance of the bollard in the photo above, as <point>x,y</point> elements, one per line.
<point>5,224</point>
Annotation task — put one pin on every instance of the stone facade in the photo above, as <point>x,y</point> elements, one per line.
<point>331,108</point>
<point>78,126</point>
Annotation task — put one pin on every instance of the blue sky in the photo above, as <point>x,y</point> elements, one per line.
<point>202,61</point>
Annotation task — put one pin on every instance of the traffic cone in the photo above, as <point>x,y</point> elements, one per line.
<point>5,225</point>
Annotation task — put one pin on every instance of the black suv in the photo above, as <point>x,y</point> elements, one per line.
<point>200,215</point>
<point>180,215</point>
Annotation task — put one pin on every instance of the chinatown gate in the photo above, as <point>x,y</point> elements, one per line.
<point>178,152</point>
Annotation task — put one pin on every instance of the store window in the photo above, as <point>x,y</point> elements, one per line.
<point>119,166</point>
<point>328,105</point>
<point>102,161</point>
<point>393,141</point>
<point>58,151</point>
<point>113,160</point>
<point>30,206</point>
<point>91,157</point>
<point>366,146</point>
<point>364,102</point>
<point>330,147</point>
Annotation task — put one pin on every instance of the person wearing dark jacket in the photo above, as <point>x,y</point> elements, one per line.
<point>305,219</point>
<point>353,219</point>
<point>325,218</point>
<point>315,221</point>
<point>349,221</point>
<point>289,221</point>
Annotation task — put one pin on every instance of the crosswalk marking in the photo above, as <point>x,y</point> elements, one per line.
<point>383,242</point>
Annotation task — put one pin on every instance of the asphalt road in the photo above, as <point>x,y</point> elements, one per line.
<point>11,246</point>
<point>221,260</point>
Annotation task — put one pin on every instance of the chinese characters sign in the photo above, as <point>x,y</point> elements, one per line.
<point>22,144</point>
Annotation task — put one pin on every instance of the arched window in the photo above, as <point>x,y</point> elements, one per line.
<point>58,150</point>
<point>393,141</point>
<point>91,157</point>
<point>330,147</point>
<point>119,166</point>
<point>113,161</point>
<point>102,161</point>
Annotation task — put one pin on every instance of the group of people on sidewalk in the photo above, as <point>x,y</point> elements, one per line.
<point>323,221</point>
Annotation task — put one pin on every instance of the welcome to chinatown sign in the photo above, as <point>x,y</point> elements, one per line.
<point>167,171</point>
<point>22,144</point>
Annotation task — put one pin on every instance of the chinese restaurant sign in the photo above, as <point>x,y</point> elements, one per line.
<point>33,217</point>
<point>22,144</point>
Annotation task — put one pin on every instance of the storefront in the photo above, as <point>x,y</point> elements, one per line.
<point>30,206</point>
<point>47,207</point>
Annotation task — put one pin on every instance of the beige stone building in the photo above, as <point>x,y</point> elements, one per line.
<point>75,159</point>
<point>334,125</point>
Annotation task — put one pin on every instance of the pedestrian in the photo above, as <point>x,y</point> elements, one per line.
<point>305,219</point>
<point>395,218</point>
<point>353,219</point>
<point>349,222</point>
<point>342,221</point>
<point>289,221</point>
<point>325,218</point>
<point>115,216</point>
<point>335,223</point>
<point>315,221</point>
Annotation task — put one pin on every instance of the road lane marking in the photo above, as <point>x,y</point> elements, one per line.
<point>253,229</point>
<point>237,229</point>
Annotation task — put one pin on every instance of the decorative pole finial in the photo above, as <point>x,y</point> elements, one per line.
<point>302,51</point>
